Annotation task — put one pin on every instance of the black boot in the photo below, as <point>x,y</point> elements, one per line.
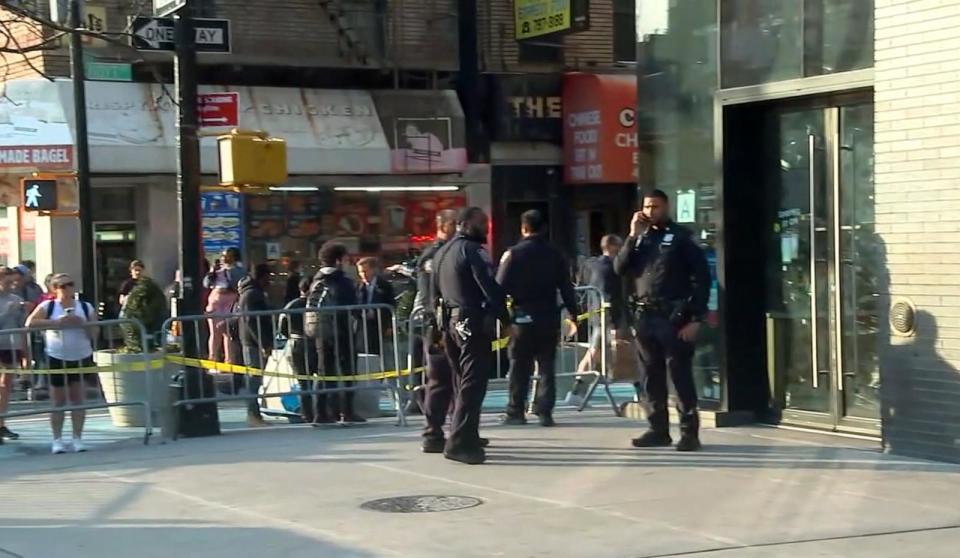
<point>689,432</point>
<point>653,439</point>
<point>432,444</point>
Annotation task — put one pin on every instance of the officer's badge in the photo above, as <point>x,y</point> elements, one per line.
<point>667,239</point>
<point>428,266</point>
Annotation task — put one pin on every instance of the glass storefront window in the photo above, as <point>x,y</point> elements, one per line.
<point>677,69</point>
<point>761,41</point>
<point>764,41</point>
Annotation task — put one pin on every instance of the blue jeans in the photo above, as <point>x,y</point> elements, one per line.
<point>252,358</point>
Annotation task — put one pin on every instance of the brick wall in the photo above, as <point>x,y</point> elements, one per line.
<point>918,213</point>
<point>590,50</point>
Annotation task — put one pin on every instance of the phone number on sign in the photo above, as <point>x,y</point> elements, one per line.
<point>557,21</point>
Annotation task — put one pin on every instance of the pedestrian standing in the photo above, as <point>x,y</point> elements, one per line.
<point>12,346</point>
<point>223,280</point>
<point>292,288</point>
<point>304,358</point>
<point>334,330</point>
<point>69,347</point>
<point>471,302</point>
<point>374,288</point>
<point>136,272</point>
<point>601,276</point>
<point>532,273</point>
<point>670,279</point>
<point>256,335</point>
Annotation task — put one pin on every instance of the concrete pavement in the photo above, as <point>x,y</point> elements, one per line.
<point>575,490</point>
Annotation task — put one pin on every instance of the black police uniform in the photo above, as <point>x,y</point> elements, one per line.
<point>439,390</point>
<point>671,285</point>
<point>472,301</point>
<point>532,272</point>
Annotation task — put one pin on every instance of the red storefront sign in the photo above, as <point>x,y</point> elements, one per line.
<point>218,109</point>
<point>45,157</point>
<point>600,129</point>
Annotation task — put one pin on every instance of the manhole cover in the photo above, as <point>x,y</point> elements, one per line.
<point>421,504</point>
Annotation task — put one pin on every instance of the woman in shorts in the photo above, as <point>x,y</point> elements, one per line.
<point>69,347</point>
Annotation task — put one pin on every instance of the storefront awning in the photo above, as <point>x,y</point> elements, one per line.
<point>132,126</point>
<point>425,130</point>
<point>600,128</point>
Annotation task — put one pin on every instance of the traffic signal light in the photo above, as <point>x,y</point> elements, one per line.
<point>39,194</point>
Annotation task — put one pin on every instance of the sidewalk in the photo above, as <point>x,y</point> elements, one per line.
<point>577,490</point>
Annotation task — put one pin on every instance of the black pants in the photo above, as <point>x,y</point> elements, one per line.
<point>662,352</point>
<point>535,343</point>
<point>439,391</point>
<point>339,360</point>
<point>471,360</point>
<point>305,359</point>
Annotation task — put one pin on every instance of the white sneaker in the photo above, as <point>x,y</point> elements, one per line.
<point>78,446</point>
<point>58,447</point>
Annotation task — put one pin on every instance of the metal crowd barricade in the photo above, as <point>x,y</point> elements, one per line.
<point>416,334</point>
<point>121,375</point>
<point>353,353</point>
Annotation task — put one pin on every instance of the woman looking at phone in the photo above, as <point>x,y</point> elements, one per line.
<point>69,347</point>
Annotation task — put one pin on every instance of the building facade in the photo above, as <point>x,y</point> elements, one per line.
<point>364,92</point>
<point>815,144</point>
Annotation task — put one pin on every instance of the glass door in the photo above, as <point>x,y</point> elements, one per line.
<point>823,267</point>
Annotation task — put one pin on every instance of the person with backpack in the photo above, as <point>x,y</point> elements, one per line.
<point>223,282</point>
<point>256,333</point>
<point>68,346</point>
<point>304,358</point>
<point>333,331</point>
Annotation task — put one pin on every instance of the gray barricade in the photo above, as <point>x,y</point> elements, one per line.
<point>267,361</point>
<point>98,365</point>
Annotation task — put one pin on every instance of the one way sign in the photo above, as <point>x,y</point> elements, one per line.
<point>156,33</point>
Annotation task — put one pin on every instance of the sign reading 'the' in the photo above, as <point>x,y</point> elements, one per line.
<point>157,33</point>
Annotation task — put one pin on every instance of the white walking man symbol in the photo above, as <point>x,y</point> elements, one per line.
<point>33,196</point>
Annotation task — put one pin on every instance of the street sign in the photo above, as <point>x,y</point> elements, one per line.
<point>106,71</point>
<point>156,33</point>
<point>218,109</point>
<point>166,7</point>
<point>39,194</point>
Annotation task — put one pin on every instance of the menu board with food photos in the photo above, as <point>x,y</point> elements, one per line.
<point>222,221</point>
<point>414,216</point>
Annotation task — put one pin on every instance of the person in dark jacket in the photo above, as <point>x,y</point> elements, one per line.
<point>533,272</point>
<point>374,288</point>
<point>339,358</point>
<point>292,291</point>
<point>304,357</point>
<point>256,333</point>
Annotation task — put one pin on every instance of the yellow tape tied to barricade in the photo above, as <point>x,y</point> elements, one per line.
<point>153,364</point>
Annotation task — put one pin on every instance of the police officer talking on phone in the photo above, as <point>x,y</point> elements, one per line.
<point>469,303</point>
<point>532,272</point>
<point>671,285</point>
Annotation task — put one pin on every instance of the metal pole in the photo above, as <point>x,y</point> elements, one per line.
<point>199,420</point>
<point>84,194</point>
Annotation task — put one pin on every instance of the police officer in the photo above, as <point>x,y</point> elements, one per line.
<point>439,389</point>
<point>671,284</point>
<point>470,302</point>
<point>532,272</point>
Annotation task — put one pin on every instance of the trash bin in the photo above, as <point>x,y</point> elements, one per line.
<point>192,420</point>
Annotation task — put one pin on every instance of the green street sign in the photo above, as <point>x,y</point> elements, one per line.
<point>105,71</point>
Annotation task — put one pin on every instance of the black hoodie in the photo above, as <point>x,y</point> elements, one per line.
<point>255,331</point>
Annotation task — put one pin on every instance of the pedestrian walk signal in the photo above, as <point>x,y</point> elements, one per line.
<point>39,194</point>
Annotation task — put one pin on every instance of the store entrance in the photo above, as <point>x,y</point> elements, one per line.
<point>808,171</point>
<point>116,247</point>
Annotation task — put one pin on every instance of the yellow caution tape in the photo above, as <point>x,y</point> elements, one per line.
<point>245,370</point>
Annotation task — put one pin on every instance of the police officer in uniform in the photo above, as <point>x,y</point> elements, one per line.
<point>532,272</point>
<point>470,302</point>
<point>439,389</point>
<point>671,284</point>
